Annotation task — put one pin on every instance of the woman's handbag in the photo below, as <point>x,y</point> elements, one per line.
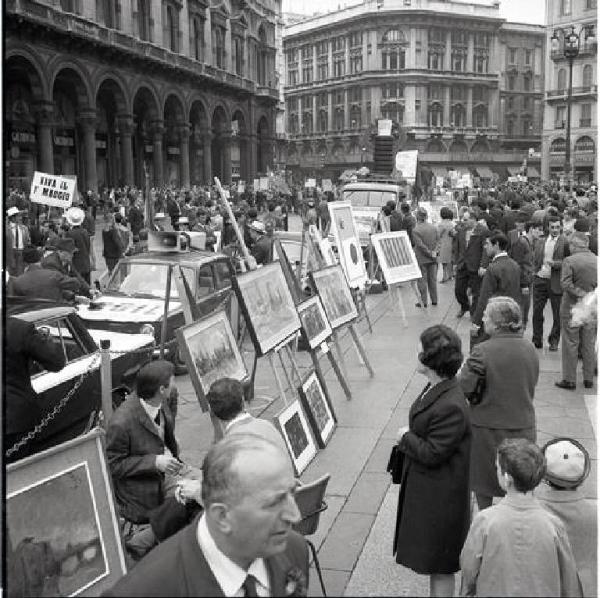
<point>474,397</point>
<point>395,464</point>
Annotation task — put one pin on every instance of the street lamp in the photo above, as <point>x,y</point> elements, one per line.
<point>570,49</point>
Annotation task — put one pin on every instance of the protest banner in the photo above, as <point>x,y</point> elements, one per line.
<point>256,185</point>
<point>241,187</point>
<point>406,163</point>
<point>310,183</point>
<point>52,190</point>
<point>264,183</point>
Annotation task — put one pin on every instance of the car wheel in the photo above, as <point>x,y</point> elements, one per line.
<point>180,366</point>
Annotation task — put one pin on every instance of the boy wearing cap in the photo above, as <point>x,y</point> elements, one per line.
<point>567,467</point>
<point>516,547</point>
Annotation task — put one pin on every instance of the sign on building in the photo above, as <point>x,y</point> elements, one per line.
<point>52,190</point>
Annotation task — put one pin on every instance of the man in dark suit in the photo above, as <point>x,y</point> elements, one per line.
<point>548,257</point>
<point>25,344</point>
<point>16,238</point>
<point>426,239</point>
<point>502,278</point>
<point>243,544</point>
<point>142,450</point>
<point>81,258</point>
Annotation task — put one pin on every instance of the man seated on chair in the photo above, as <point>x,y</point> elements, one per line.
<point>243,544</point>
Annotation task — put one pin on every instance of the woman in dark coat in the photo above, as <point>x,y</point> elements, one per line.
<point>434,503</point>
<point>507,367</point>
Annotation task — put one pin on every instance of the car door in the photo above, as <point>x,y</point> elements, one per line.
<point>52,387</point>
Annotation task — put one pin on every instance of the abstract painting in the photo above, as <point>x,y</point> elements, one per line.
<point>396,257</point>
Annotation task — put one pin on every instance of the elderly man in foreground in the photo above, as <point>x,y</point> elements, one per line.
<point>243,543</point>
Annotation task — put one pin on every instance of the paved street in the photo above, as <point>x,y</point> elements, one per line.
<point>355,534</point>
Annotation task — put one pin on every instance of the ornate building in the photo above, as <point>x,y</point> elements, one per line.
<point>110,89</point>
<point>463,87</point>
<point>584,131</point>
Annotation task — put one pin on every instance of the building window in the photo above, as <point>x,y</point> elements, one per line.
<point>435,92</point>
<point>457,116</point>
<point>561,79</point>
<point>322,48</point>
<point>527,104</point>
<point>512,56</point>
<point>480,117</point>
<point>355,94</point>
<point>459,60</point>
<point>586,115</point>
<point>307,72</point>
<point>588,72</point>
<point>198,38</point>
<point>355,117</point>
<point>293,123</point>
<point>339,44</point>
<point>480,63</point>
<point>307,123</point>
<point>356,64</point>
<point>322,121</point>
<point>393,91</point>
<point>238,55</point>
<point>356,39</point>
<point>393,53</point>
<point>511,82</point>
<point>68,5</point>
<point>144,20</point>
<point>565,7</point>
<point>527,127</point>
<point>339,65</point>
<point>218,47</point>
<point>171,30</point>
<point>292,56</point>
<point>108,13</point>
<point>590,4</point>
<point>306,52</point>
<point>479,94</point>
<point>339,118</point>
<point>435,61</point>
<point>394,111</point>
<point>292,78</point>
<point>561,112</point>
<point>436,115</point>
<point>510,127</point>
<point>528,57</point>
<point>436,46</point>
<point>262,58</point>
<point>323,71</point>
<point>526,83</point>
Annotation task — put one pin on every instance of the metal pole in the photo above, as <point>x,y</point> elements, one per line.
<point>568,146</point>
<point>163,332</point>
<point>105,381</point>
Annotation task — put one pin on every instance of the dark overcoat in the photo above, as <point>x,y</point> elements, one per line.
<point>434,503</point>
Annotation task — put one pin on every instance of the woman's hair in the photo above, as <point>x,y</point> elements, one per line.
<point>442,350</point>
<point>504,313</point>
<point>524,461</point>
<point>446,213</point>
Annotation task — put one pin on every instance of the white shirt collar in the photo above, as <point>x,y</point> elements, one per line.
<point>499,254</point>
<point>150,409</point>
<point>238,418</point>
<point>229,575</point>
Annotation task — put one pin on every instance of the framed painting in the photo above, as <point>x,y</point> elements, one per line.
<point>296,432</point>
<point>332,287</point>
<point>396,257</point>
<point>345,234</point>
<point>317,409</point>
<point>315,325</point>
<point>62,529</point>
<point>210,352</point>
<point>268,306</point>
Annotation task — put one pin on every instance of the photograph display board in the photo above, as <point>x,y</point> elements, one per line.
<point>62,529</point>
<point>317,409</point>
<point>315,325</point>
<point>332,287</point>
<point>268,306</point>
<point>210,352</point>
<point>396,257</point>
<point>346,238</point>
<point>296,432</point>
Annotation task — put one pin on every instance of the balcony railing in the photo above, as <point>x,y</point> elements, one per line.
<point>585,49</point>
<point>585,122</point>
<point>580,90</point>
<point>559,124</point>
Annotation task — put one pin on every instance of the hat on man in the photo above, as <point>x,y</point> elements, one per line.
<point>183,220</point>
<point>12,211</point>
<point>582,225</point>
<point>159,215</point>
<point>257,226</point>
<point>75,216</point>
<point>31,255</point>
<point>567,462</point>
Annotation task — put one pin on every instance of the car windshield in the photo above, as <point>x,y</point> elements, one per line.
<point>369,198</point>
<point>358,199</point>
<point>145,279</point>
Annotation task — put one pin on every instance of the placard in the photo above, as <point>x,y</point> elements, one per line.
<point>406,163</point>
<point>384,127</point>
<point>396,256</point>
<point>310,183</point>
<point>256,184</point>
<point>327,185</point>
<point>52,190</point>
<point>241,187</point>
<point>264,183</point>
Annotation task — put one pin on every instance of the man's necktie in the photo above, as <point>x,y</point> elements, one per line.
<point>17,238</point>
<point>249,586</point>
<point>157,418</point>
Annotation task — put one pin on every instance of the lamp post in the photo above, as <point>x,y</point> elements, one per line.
<point>567,40</point>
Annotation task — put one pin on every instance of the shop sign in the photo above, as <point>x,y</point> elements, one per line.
<point>22,137</point>
<point>52,190</point>
<point>173,151</point>
<point>64,141</point>
<point>148,149</point>
<point>100,144</point>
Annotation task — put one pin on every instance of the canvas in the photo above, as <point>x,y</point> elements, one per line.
<point>332,287</point>
<point>268,306</point>
<point>62,531</point>
<point>396,257</point>
<point>210,351</point>
<point>319,411</point>
<point>315,325</point>
<point>346,238</point>
<point>296,432</point>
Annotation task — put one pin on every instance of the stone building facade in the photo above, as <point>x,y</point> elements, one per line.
<point>463,86</point>
<point>584,125</point>
<point>110,90</point>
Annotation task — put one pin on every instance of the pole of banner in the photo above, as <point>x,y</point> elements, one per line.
<point>163,332</point>
<point>105,381</point>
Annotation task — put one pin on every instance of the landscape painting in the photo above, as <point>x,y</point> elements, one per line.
<point>268,306</point>
<point>332,287</point>
<point>315,325</point>
<point>295,429</point>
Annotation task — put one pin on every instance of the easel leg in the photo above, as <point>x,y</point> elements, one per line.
<point>339,374</point>
<point>397,296</point>
<point>295,370</point>
<point>338,349</point>
<point>321,377</point>
<point>363,294</point>
<point>361,350</point>
<point>278,380</point>
<point>287,376</point>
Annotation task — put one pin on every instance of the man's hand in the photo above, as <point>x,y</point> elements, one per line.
<point>524,290</point>
<point>167,464</point>
<point>401,432</point>
<point>481,271</point>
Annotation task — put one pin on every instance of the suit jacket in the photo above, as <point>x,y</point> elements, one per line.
<point>579,275</point>
<point>44,283</point>
<point>502,278</point>
<point>177,567</point>
<point>426,239</point>
<point>258,427</point>
<point>9,241</point>
<point>522,252</point>
<point>561,251</point>
<point>23,344</point>
<point>132,444</point>
<point>81,258</point>
<point>470,256</point>
<point>510,366</point>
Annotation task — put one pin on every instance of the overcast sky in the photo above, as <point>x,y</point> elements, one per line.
<point>524,11</point>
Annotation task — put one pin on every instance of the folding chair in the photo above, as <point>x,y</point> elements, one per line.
<point>309,498</point>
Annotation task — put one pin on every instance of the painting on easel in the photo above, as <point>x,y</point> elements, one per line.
<point>319,412</point>
<point>268,306</point>
<point>331,285</point>
<point>315,325</point>
<point>396,257</point>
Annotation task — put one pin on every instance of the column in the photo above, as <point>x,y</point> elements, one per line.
<point>44,118</point>
<point>411,55</point>
<point>87,122</point>
<point>470,52</point>
<point>158,130</point>
<point>447,106</point>
<point>125,122</point>
<point>314,113</point>
<point>493,111</point>
<point>228,66</point>
<point>184,148</point>
<point>207,37</point>
<point>448,52</point>
<point>251,150</point>
<point>330,58</point>
<point>346,110</point>
<point>470,106</point>
<point>315,69</point>
<point>225,145</point>
<point>207,136</point>
<point>329,111</point>
<point>409,106</point>
<point>347,55</point>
